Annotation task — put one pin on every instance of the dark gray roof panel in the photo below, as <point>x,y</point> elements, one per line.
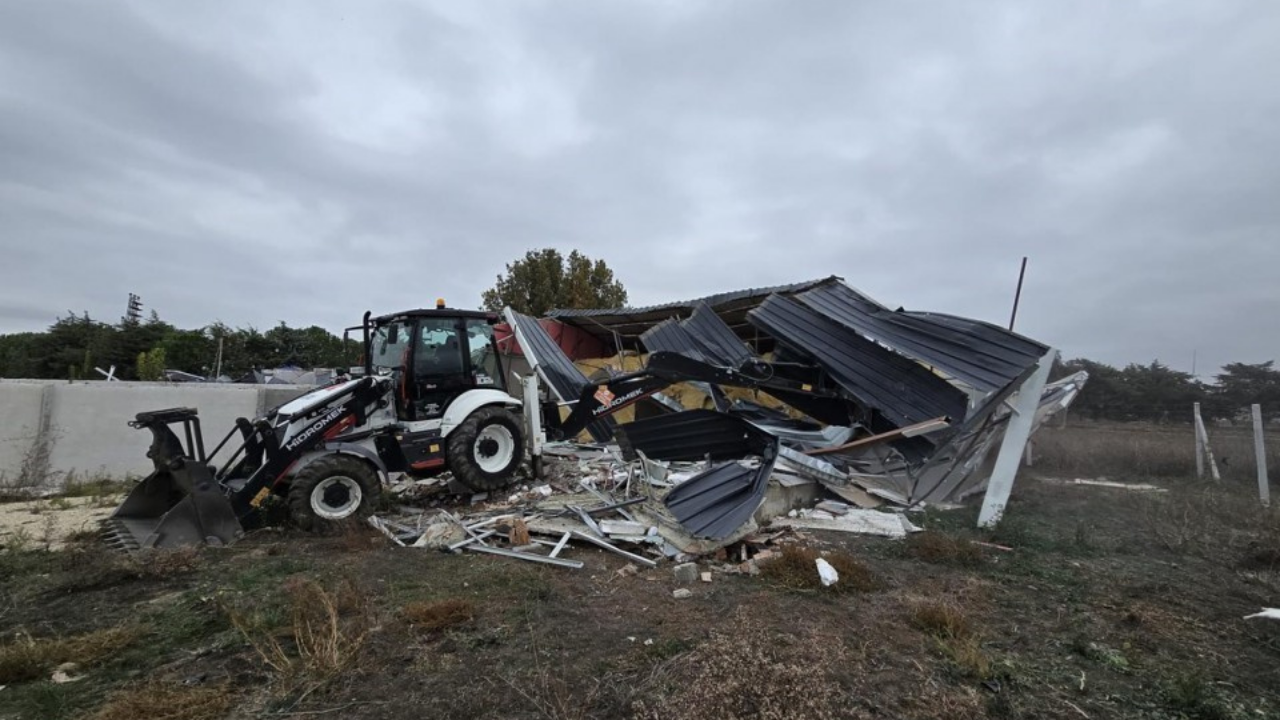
<point>692,435</point>
<point>982,355</point>
<point>712,300</point>
<point>670,336</point>
<point>561,375</point>
<point>901,390</point>
<point>565,379</point>
<point>716,338</point>
<point>716,502</point>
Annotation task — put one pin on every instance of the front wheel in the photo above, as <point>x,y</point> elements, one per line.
<point>331,491</point>
<point>485,451</point>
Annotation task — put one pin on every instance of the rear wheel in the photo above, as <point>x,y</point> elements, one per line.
<point>333,491</point>
<point>485,451</point>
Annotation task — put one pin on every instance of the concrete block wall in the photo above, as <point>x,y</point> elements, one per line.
<point>86,423</point>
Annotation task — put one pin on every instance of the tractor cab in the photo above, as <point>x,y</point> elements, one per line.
<point>436,356</point>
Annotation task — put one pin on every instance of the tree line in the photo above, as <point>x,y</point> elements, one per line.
<point>142,349</point>
<point>1156,392</point>
<point>539,281</point>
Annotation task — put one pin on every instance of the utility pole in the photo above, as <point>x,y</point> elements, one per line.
<point>1017,296</point>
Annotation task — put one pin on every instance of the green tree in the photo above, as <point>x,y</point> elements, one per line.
<point>544,280</point>
<point>151,365</point>
<point>1243,384</point>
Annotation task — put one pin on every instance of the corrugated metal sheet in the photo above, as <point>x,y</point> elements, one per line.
<point>557,370</point>
<point>901,390</point>
<point>692,435</point>
<point>715,503</point>
<point>716,339</point>
<point>626,324</point>
<point>670,336</point>
<point>981,355</point>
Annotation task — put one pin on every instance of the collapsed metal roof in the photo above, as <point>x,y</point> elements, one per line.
<point>901,390</point>
<point>984,356</point>
<point>627,324</point>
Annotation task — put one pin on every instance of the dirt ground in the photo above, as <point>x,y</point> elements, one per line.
<point>1109,603</point>
<point>49,521</point>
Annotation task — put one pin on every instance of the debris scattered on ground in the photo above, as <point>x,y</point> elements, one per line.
<point>681,593</point>
<point>826,573</point>
<point>1103,482</point>
<point>1266,614</point>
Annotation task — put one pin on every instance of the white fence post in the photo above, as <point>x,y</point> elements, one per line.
<point>1260,451</point>
<point>1195,422</point>
<point>1204,443</point>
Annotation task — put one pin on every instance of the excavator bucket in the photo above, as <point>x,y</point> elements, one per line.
<point>180,503</point>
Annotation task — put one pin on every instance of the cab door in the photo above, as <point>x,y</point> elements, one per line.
<point>440,367</point>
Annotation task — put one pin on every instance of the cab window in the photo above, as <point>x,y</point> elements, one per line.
<point>485,368</point>
<point>439,351</point>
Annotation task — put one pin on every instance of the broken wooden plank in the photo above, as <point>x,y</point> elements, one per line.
<point>922,428</point>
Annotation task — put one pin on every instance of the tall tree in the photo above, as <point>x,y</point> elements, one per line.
<point>544,279</point>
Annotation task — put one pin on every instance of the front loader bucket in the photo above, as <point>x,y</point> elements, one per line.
<point>173,507</point>
<point>180,503</point>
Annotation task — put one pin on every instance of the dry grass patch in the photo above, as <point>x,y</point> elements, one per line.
<point>325,633</point>
<point>748,670</point>
<point>162,701</point>
<point>941,549</point>
<point>29,658</point>
<point>954,635</point>
<point>795,568</point>
<point>430,617</point>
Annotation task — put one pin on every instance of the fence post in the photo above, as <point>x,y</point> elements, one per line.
<point>1260,451</point>
<point>1195,421</point>
<point>1204,443</point>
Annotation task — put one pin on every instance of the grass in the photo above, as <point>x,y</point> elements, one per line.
<point>954,636</point>
<point>164,701</point>
<point>435,616</point>
<point>939,548</point>
<point>1192,697</point>
<point>1145,450</point>
<point>28,659</point>
<point>795,568</point>
<point>326,632</point>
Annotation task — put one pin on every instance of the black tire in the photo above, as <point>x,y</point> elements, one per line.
<point>348,473</point>
<point>466,448</point>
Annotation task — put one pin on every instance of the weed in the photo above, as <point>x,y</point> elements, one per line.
<point>795,568</point>
<point>29,659</point>
<point>941,620</point>
<point>941,549</point>
<point>18,541</point>
<point>44,699</point>
<point>430,617</point>
<point>1191,696</point>
<point>324,640</point>
<point>59,503</point>
<point>750,671</point>
<point>954,636</point>
<point>1107,657</point>
<point>162,701</point>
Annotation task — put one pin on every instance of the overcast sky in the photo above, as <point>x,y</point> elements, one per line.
<point>253,162</point>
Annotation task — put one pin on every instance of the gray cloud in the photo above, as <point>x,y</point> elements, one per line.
<point>304,161</point>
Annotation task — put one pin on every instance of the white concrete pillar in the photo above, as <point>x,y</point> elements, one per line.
<point>1016,433</point>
